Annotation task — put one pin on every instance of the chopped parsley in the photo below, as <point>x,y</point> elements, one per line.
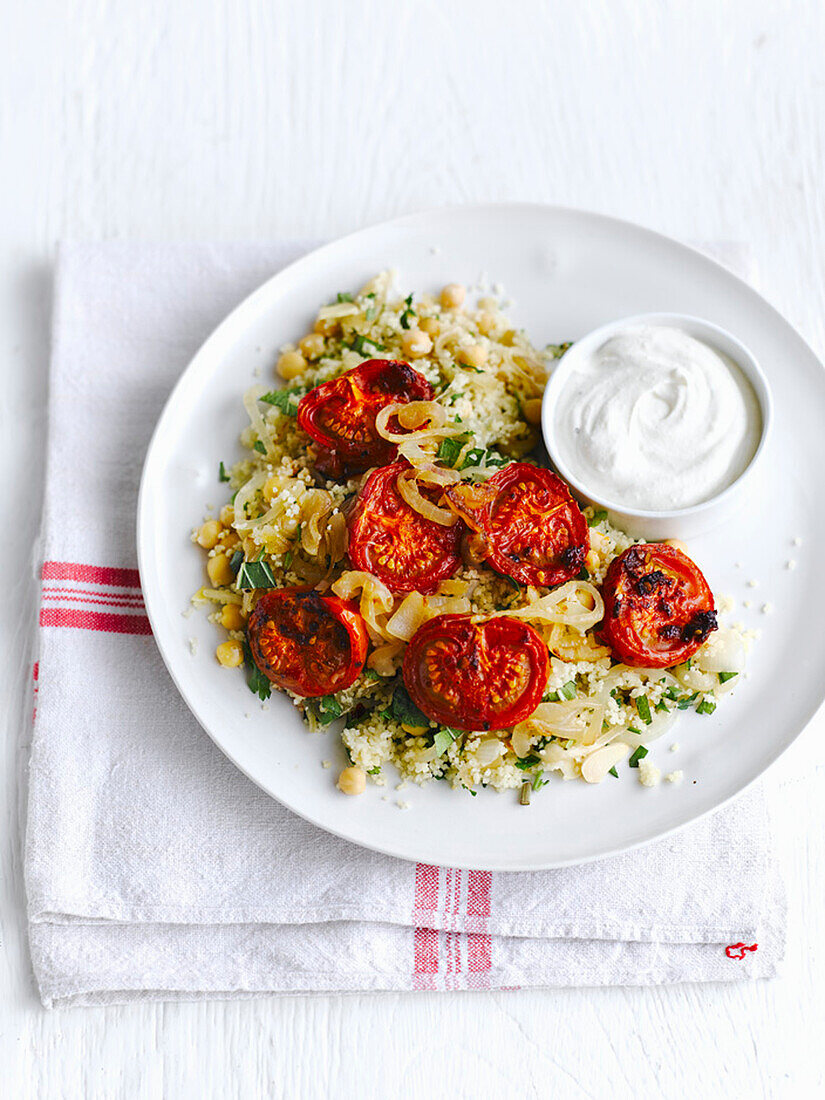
<point>408,312</point>
<point>643,707</point>
<point>687,700</point>
<point>707,706</point>
<point>597,517</point>
<point>444,738</point>
<point>725,676</point>
<point>360,342</point>
<point>528,762</point>
<point>235,561</point>
<point>449,449</point>
<point>326,709</point>
<point>566,691</point>
<point>538,782</point>
<point>287,559</point>
<point>638,755</point>
<point>374,771</point>
<point>470,789</point>
<point>613,772</point>
<point>479,455</point>
<point>466,366</point>
<point>259,447</point>
<point>222,474</point>
<point>405,711</point>
<point>255,574</point>
<point>285,400</point>
<point>258,683</point>
<point>344,296</point>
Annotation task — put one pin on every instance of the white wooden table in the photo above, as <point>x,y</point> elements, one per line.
<point>239,119</point>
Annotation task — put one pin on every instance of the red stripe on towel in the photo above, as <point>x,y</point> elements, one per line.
<point>479,945</point>
<point>111,576</point>
<point>103,621</point>
<point>425,940</point>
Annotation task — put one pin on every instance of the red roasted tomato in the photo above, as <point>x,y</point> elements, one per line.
<point>395,543</point>
<point>307,643</point>
<point>476,676</point>
<point>531,528</point>
<point>340,414</point>
<point>658,608</point>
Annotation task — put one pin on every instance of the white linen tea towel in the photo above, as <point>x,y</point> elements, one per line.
<point>156,870</point>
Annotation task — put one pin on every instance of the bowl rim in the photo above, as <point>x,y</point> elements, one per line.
<point>744,359</point>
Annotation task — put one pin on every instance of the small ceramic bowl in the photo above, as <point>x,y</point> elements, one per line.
<point>682,523</point>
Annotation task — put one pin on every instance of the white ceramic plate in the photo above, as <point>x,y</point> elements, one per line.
<point>567,272</point>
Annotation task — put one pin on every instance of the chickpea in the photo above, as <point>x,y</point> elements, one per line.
<point>352,781</point>
<point>416,731</point>
<point>230,654</point>
<point>508,338</point>
<point>474,356</point>
<point>219,570</point>
<point>209,534</point>
<point>532,410</point>
<point>429,325</point>
<point>229,539</point>
<point>416,343</point>
<point>291,364</point>
<point>452,296</point>
<point>591,561</point>
<point>326,326</point>
<point>231,617</point>
<point>486,323</point>
<point>312,345</point>
<point>227,515</point>
<point>677,544</point>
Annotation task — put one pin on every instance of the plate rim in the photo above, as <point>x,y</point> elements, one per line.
<point>247,304</point>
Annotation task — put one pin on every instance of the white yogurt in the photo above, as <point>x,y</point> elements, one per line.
<point>656,420</point>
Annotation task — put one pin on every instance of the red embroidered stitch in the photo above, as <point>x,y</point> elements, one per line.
<point>737,950</point>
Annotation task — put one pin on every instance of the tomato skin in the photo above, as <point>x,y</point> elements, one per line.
<point>395,543</point>
<point>307,643</point>
<point>340,414</point>
<point>476,676</point>
<point>533,529</point>
<point>658,607</point>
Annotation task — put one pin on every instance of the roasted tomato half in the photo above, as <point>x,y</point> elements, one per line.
<point>340,414</point>
<point>476,676</point>
<point>529,525</point>
<point>389,539</point>
<point>658,608</point>
<point>307,643</point>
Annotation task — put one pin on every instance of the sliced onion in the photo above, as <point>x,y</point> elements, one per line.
<point>408,489</point>
<point>438,475</point>
<point>384,659</point>
<point>577,603</point>
<point>250,403</point>
<point>522,740</point>
<point>662,721</point>
<point>579,720</point>
<point>408,617</point>
<point>694,679</point>
<point>596,765</point>
<point>724,651</point>
<point>487,751</point>
<point>572,646</point>
<point>434,417</point>
<point>245,496</point>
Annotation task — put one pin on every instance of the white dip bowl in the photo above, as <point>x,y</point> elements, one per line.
<point>682,523</point>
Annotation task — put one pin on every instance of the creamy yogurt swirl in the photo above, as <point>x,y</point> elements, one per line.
<point>656,420</point>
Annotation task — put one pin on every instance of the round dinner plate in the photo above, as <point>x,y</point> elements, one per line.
<point>566,272</point>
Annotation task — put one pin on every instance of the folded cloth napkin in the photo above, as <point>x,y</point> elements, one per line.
<point>156,870</point>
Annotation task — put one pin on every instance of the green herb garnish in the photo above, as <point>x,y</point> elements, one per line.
<point>725,676</point>
<point>444,738</point>
<point>235,561</point>
<point>538,782</point>
<point>360,342</point>
<point>643,707</point>
<point>255,574</point>
<point>466,366</point>
<point>558,350</point>
<point>374,771</point>
<point>597,517</point>
<point>687,700</point>
<point>408,312</point>
<point>707,706</point>
<point>524,797</point>
<point>405,711</point>
<point>326,709</point>
<point>613,772</point>
<point>258,683</point>
<point>638,755</point>
<point>528,762</point>
<point>285,400</point>
<point>288,559</point>
<point>344,296</point>
<point>568,690</point>
<point>259,447</point>
<point>222,474</point>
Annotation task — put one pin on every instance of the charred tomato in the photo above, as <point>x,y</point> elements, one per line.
<point>307,643</point>
<point>340,414</point>
<point>476,676</point>
<point>389,539</point>
<point>658,607</point>
<point>531,528</point>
